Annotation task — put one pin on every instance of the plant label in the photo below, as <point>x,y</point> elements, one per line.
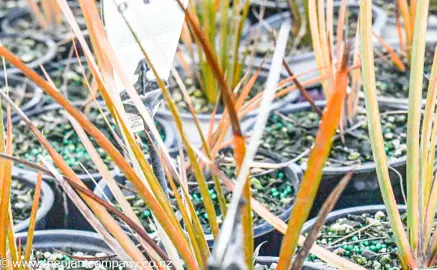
<point>156,23</point>
<point>136,122</point>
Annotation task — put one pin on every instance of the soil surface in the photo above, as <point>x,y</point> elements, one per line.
<point>69,76</point>
<point>394,83</point>
<point>50,260</point>
<point>269,187</point>
<point>26,24</point>
<point>365,239</point>
<point>26,48</point>
<point>199,99</point>
<point>292,134</point>
<point>390,7</point>
<point>58,130</point>
<point>21,200</point>
<point>265,45</point>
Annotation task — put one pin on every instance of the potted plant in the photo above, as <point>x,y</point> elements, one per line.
<point>36,19</point>
<point>388,219</point>
<point>290,132</point>
<point>390,32</point>
<point>24,92</point>
<point>393,81</point>
<point>57,128</point>
<point>8,6</point>
<point>200,84</point>
<point>22,193</point>
<point>300,54</point>
<point>33,50</point>
<point>362,234</point>
<point>184,243</point>
<point>204,108</point>
<point>60,247</point>
<point>274,188</point>
<point>69,75</point>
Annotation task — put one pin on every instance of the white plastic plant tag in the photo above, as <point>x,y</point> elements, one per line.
<point>157,24</point>
<point>136,122</point>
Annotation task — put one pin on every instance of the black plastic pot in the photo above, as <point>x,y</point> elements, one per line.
<point>401,103</point>
<point>87,179</point>
<point>10,8</point>
<point>35,65</point>
<point>30,89</point>
<point>53,66</point>
<point>335,215</point>
<point>87,242</point>
<point>305,61</point>
<point>9,22</point>
<point>364,186</point>
<point>263,232</point>
<point>67,211</point>
<point>265,261</point>
<point>45,206</point>
<point>103,191</point>
<point>272,7</point>
<point>205,118</point>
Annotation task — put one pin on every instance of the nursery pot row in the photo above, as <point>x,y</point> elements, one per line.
<point>92,243</point>
<point>351,214</point>
<point>263,232</point>
<point>23,90</point>
<point>67,211</point>
<point>45,204</point>
<point>189,125</point>
<point>363,187</point>
<point>334,216</point>
<point>306,61</point>
<point>33,42</point>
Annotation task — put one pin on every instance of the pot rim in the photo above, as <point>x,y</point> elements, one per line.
<point>364,168</point>
<point>399,102</point>
<point>103,191</point>
<point>83,176</point>
<point>392,21</point>
<point>81,240</point>
<point>306,266</point>
<point>7,25</point>
<point>337,214</point>
<point>292,171</point>
<point>37,93</point>
<point>295,174</point>
<point>47,200</point>
<point>47,57</point>
<point>378,25</point>
<point>289,98</point>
